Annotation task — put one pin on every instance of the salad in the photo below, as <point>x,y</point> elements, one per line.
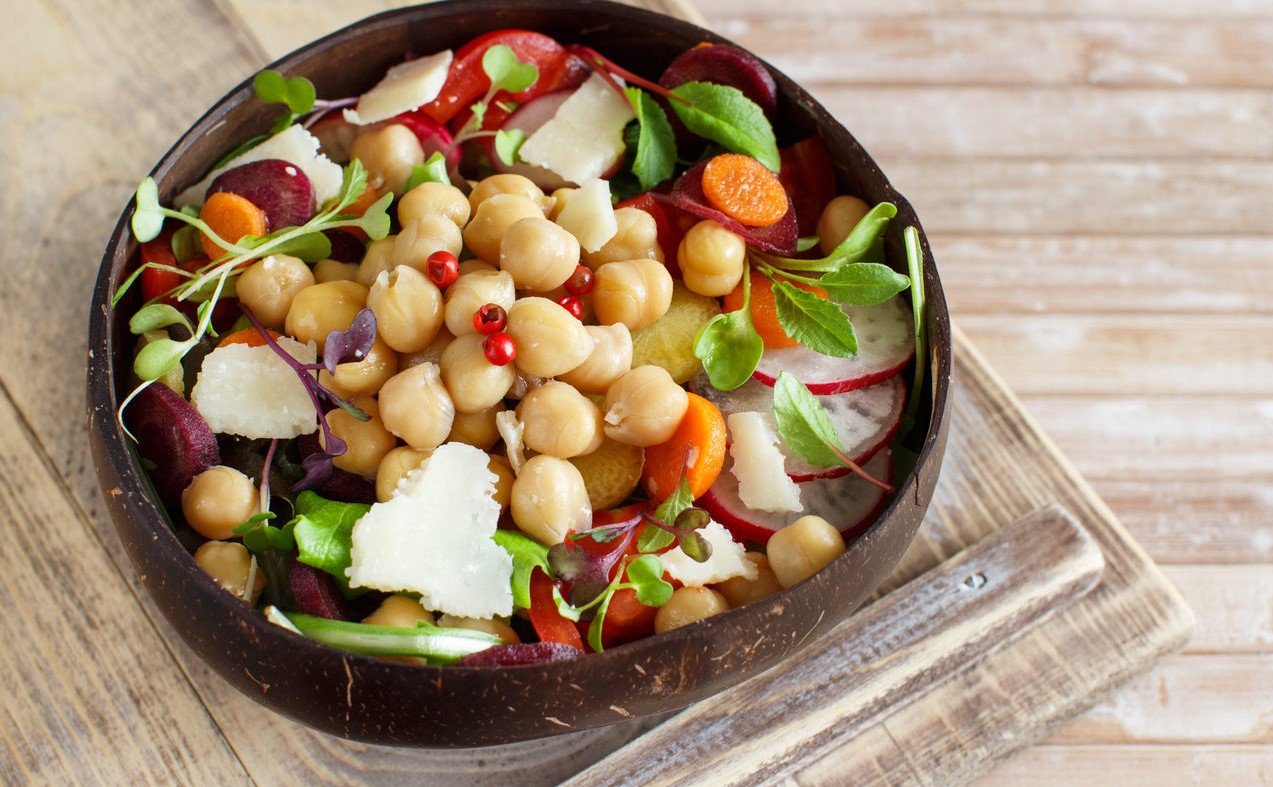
<point>519,355</point>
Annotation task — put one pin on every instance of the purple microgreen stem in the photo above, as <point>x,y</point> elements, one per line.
<point>323,108</point>
<point>265,476</point>
<point>601,63</point>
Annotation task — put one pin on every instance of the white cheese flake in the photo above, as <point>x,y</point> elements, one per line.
<point>253,393</point>
<point>293,144</point>
<point>511,430</point>
<point>728,559</point>
<point>433,537</point>
<point>589,215</point>
<point>405,87</point>
<point>758,465</point>
<point>584,138</point>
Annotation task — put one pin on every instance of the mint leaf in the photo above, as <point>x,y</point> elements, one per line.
<point>507,72</point>
<point>527,554</point>
<point>507,143</point>
<point>645,575</point>
<point>655,157</point>
<point>864,237</point>
<point>431,171</point>
<point>148,217</point>
<point>159,357</point>
<point>815,322</point>
<point>863,283</point>
<point>725,116</point>
<point>156,316</point>
<point>323,531</point>
<point>804,424</point>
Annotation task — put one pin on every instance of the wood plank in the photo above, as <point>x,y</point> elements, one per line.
<point>1119,355</point>
<point>1134,766</point>
<point>915,635</point>
<point>1002,275</point>
<point>720,12</point>
<point>1187,699</point>
<point>1233,606</point>
<point>85,672</point>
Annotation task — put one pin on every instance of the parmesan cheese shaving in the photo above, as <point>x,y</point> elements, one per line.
<point>728,559</point>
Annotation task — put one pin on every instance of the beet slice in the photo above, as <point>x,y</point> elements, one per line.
<point>346,247</point>
<point>886,343</point>
<point>171,434</point>
<point>778,238</point>
<point>865,420</point>
<point>850,504</point>
<point>520,654</point>
<point>315,592</point>
<point>341,485</point>
<point>275,186</point>
<point>808,175</point>
<point>723,64</point>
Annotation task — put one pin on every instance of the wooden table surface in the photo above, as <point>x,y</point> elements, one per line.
<point>1098,186</point>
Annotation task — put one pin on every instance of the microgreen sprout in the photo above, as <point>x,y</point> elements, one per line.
<point>507,74</point>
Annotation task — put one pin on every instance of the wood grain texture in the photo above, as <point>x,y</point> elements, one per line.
<point>1193,10</point>
<point>1135,766</point>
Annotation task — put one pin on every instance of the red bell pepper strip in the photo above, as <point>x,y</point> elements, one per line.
<point>466,82</point>
<point>549,623</point>
<point>156,282</point>
<point>808,176</point>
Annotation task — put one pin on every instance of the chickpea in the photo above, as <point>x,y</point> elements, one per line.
<point>367,441</point>
<point>476,429</point>
<point>389,153</point>
<point>408,309</point>
<point>550,341</point>
<point>474,266</point>
<point>507,183</point>
<point>644,407</point>
<point>633,292</point>
<point>320,309</point>
<point>471,292</point>
<point>638,237</point>
<point>475,384</point>
<point>434,199</point>
<point>800,549</point>
<point>377,260</point>
<point>335,270</point>
<point>492,218</point>
<point>712,259</point>
<point>610,358</point>
<point>838,219</point>
<point>497,627</point>
<point>229,563</point>
<point>539,254</point>
<point>422,237</point>
<point>268,286</point>
<point>401,612</point>
<point>688,605</point>
<point>504,477</point>
<point>549,499</point>
<point>218,500</point>
<point>740,590</point>
<point>560,421</point>
<point>415,406</point>
<point>394,467</point>
<point>358,378</point>
<point>559,199</point>
<point>430,354</point>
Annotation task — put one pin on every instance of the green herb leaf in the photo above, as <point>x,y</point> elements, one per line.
<point>803,423</point>
<point>436,644</point>
<point>353,182</point>
<point>695,547</point>
<point>815,322</point>
<point>655,157</point>
<point>375,220</point>
<point>507,143</point>
<point>599,620</point>
<point>804,244</point>
<point>323,531</point>
<point>645,574</point>
<point>258,535</point>
<point>431,171</point>
<point>654,538</point>
<point>297,93</point>
<point>919,306</point>
<point>729,348</point>
<point>186,244</point>
<point>148,217</point>
<point>527,554</point>
<point>724,115</point>
<point>507,72</point>
<point>159,357</point>
<point>156,316</point>
<point>863,283</point>
<point>862,240</point>
<point>310,247</point>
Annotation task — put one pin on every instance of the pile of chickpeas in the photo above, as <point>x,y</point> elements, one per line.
<point>429,378</point>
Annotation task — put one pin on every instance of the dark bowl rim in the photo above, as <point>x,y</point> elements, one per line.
<point>138,498</point>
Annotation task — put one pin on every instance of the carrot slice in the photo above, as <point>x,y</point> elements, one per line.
<point>231,217</point>
<point>745,190</point>
<point>249,336</point>
<point>764,313</point>
<point>696,448</point>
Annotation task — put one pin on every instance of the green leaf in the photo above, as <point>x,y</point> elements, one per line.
<point>353,182</point>
<point>436,644</point>
<point>729,348</point>
<point>599,620</point>
<point>527,553</point>
<point>860,241</point>
<point>297,93</point>
<point>323,531</point>
<point>645,574</point>
<point>804,424</point>
<point>258,535</point>
<point>655,157</point>
<point>804,244</point>
<point>863,283</point>
<point>375,220</point>
<point>815,322</point>
<point>724,115</point>
<point>159,357</point>
<point>148,217</point>
<point>919,306</point>
<point>507,72</point>
<point>507,143</point>
<point>310,247</point>
<point>431,171</point>
<point>156,316</point>
<point>654,538</point>
<point>186,244</point>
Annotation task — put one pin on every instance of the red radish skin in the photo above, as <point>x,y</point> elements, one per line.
<point>316,592</point>
<point>279,188</point>
<point>779,237</point>
<point>528,119</point>
<point>520,654</point>
<point>886,343</point>
<point>434,137</point>
<point>837,500</point>
<point>865,420</point>
<point>171,434</point>
<point>728,65</point>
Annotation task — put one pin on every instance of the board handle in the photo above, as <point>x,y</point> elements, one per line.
<point>939,623</point>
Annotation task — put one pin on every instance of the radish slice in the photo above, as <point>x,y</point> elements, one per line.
<point>850,504</point>
<point>886,343</point>
<point>865,420</point>
<point>527,119</point>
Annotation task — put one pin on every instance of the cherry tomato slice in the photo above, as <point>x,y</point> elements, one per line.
<point>467,82</point>
<point>155,282</point>
<point>550,625</point>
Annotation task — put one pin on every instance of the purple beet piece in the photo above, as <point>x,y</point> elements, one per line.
<point>173,436</point>
<point>723,64</point>
<point>523,653</point>
<point>342,485</point>
<point>687,194</point>
<point>275,186</point>
<point>345,246</point>
<point>316,592</point>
